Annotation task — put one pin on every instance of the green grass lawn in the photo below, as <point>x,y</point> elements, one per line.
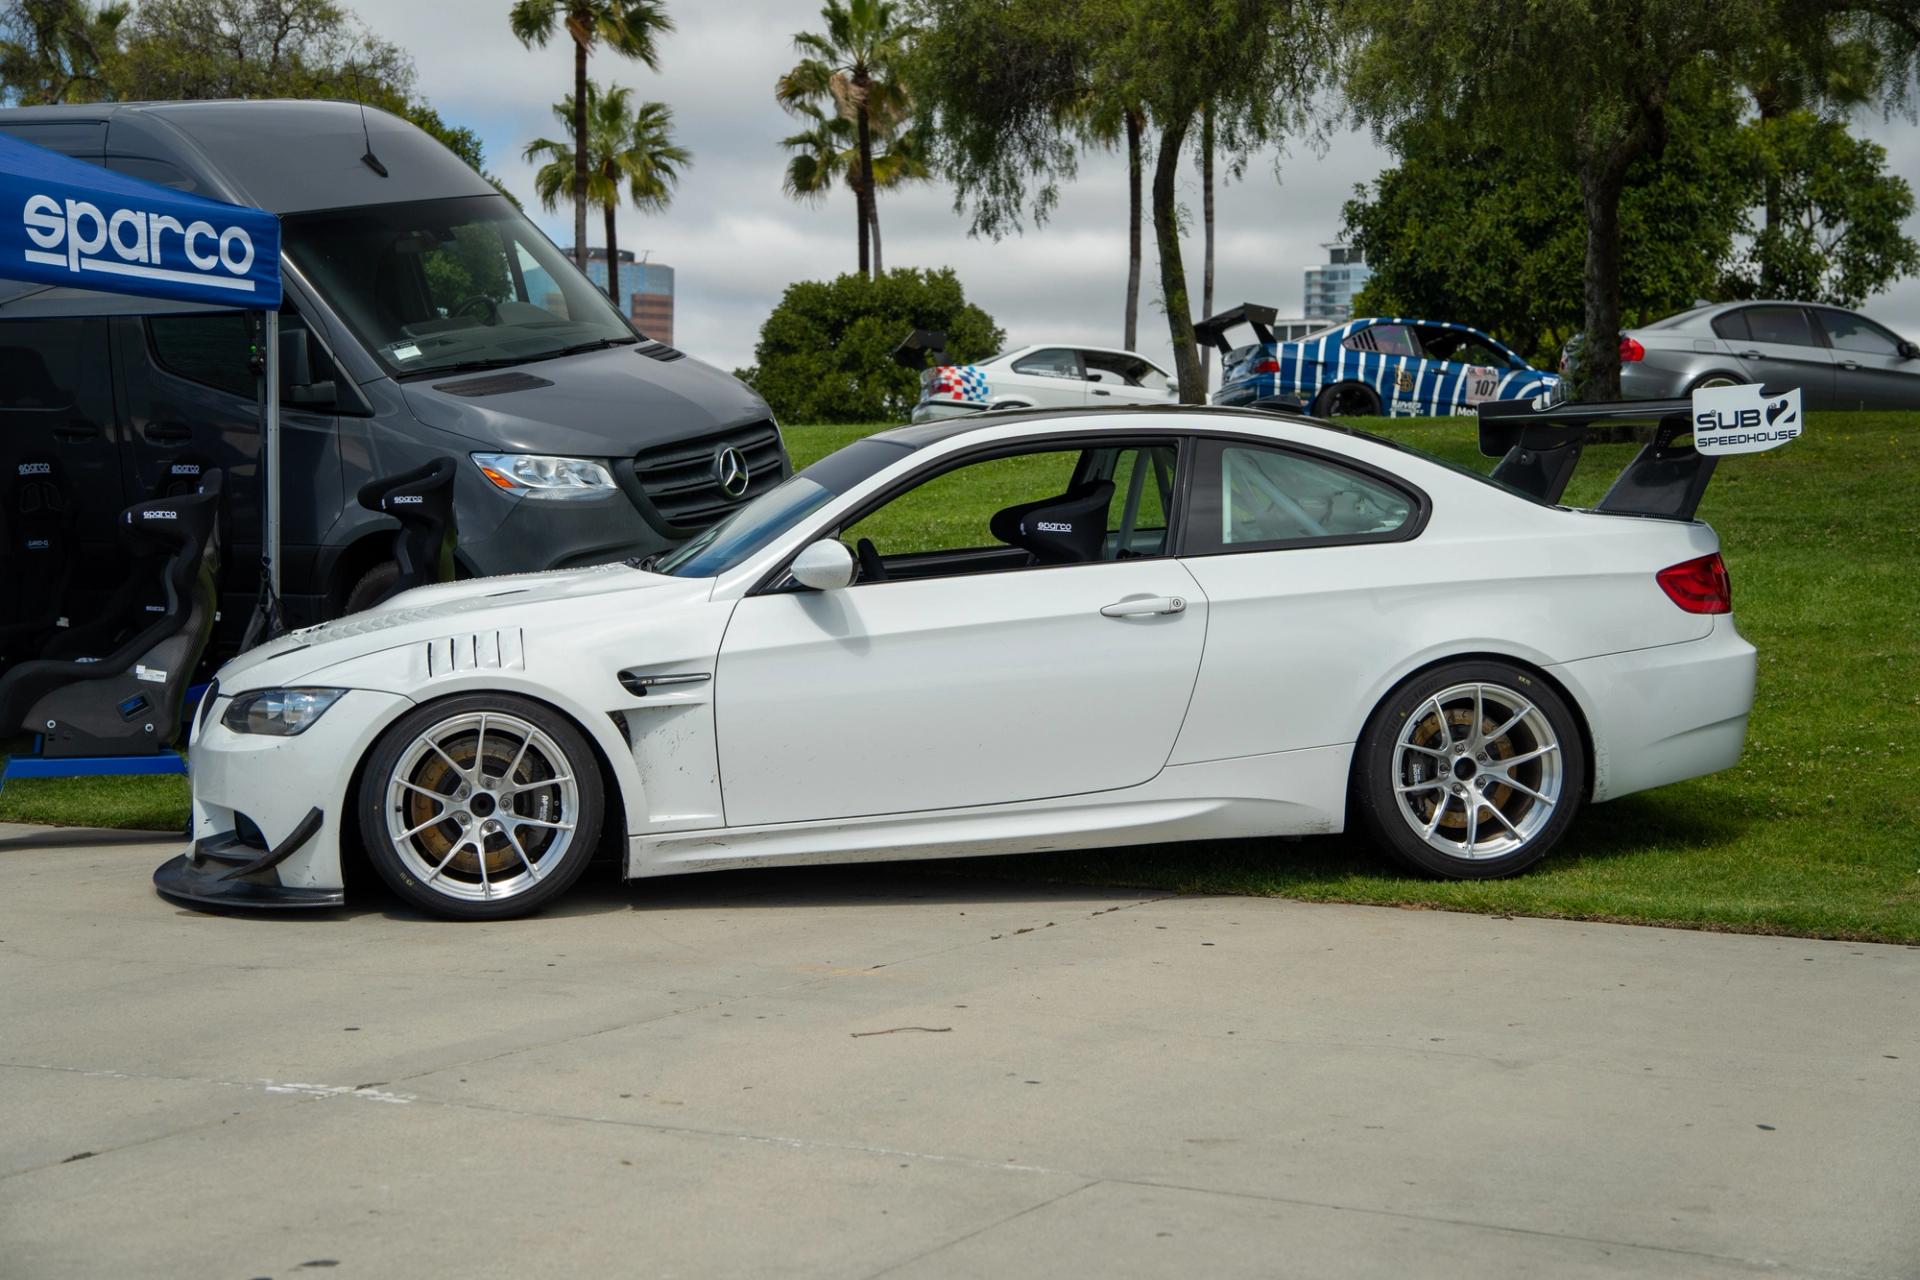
<point>1816,832</point>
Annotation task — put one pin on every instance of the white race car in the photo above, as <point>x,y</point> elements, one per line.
<point>1046,376</point>
<point>1005,634</point>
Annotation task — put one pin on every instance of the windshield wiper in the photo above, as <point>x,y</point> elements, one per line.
<point>598,344</point>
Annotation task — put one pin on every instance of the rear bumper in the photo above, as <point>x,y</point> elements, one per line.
<point>1665,714</point>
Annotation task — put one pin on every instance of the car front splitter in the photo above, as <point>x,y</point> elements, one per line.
<point>222,873</point>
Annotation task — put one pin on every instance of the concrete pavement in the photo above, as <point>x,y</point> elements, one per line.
<point>865,1071</point>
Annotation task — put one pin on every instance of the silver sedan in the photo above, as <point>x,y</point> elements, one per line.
<point>1839,359</point>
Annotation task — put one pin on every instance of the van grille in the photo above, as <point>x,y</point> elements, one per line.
<point>682,481</point>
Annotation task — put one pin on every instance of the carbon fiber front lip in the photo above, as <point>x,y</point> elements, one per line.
<point>220,872</point>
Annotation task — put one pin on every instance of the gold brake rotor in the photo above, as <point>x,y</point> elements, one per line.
<point>1438,739</point>
<point>436,775</point>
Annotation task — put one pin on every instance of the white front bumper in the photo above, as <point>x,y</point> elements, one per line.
<point>276,781</point>
<point>1665,714</point>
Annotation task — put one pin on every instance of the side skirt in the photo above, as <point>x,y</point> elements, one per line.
<point>1286,793</point>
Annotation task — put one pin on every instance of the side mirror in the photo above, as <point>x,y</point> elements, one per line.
<point>1908,350</point>
<point>314,395</point>
<point>826,565</point>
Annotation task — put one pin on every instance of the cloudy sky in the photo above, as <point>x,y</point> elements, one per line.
<point>736,241</point>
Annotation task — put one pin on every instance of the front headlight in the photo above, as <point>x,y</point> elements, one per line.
<point>537,475</point>
<point>281,713</point>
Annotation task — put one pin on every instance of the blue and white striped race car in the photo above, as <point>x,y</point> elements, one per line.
<point>1373,366</point>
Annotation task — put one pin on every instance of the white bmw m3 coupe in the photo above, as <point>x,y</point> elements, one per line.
<point>1008,633</point>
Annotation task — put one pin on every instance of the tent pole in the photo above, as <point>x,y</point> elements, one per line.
<point>270,491</point>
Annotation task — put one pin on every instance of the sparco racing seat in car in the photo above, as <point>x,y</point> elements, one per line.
<point>127,702</point>
<point>1068,529</point>
<point>422,501</point>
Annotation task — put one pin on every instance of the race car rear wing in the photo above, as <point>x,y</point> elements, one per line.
<point>1539,447</point>
<point>1212,331</point>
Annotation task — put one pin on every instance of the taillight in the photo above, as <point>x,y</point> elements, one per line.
<point>1631,350</point>
<point>1698,586</point>
<point>1266,365</point>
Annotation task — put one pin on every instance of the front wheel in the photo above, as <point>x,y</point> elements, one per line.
<point>481,807</point>
<point>1346,400</point>
<point>1470,771</point>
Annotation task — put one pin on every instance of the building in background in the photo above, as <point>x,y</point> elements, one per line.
<point>648,286</point>
<point>1331,285</point>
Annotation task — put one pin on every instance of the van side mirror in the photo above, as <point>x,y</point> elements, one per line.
<point>826,565</point>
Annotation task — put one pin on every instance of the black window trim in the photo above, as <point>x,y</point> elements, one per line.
<point>773,581</point>
<point>1189,546</point>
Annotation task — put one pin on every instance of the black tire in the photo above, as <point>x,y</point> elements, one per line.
<point>373,586</point>
<point>1401,747</point>
<point>1347,400</point>
<point>519,826</point>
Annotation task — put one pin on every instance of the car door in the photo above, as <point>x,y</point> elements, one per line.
<point>1778,346</point>
<point>1872,366</point>
<point>963,678</point>
<point>1051,378</point>
<point>60,483</point>
<point>192,402</point>
<point>1115,377</point>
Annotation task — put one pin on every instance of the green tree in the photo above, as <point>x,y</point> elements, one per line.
<point>56,50</point>
<point>1006,80</point>
<point>1467,227</point>
<point>630,155</point>
<point>850,71</point>
<point>256,49</point>
<point>827,150</point>
<point>1833,230</point>
<point>629,28</point>
<point>826,352</point>
<point>1582,85</point>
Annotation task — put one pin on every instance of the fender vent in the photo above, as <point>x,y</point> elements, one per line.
<point>475,651</point>
<point>657,350</point>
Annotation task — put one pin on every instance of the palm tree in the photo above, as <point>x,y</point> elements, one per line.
<point>55,50</point>
<point>1105,124</point>
<point>630,154</point>
<point>628,27</point>
<point>852,68</point>
<point>828,151</point>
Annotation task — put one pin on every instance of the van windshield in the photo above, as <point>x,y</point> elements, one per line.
<point>438,285</point>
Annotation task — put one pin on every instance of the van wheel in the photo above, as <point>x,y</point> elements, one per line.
<point>375,585</point>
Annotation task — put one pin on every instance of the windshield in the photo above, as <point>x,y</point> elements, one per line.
<point>437,285</point>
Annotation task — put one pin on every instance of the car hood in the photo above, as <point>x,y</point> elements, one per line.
<point>598,404</point>
<point>454,609</point>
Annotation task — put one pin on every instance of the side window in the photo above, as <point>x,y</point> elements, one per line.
<point>1786,325</point>
<point>1054,362</point>
<point>216,350</point>
<point>1062,506</point>
<point>1849,332</point>
<point>1119,370</point>
<point>1386,339</point>
<point>1252,497</point>
<point>1732,325</point>
<point>42,362</point>
<point>1461,346</point>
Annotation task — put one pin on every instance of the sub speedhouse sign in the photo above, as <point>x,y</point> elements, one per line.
<point>68,222</point>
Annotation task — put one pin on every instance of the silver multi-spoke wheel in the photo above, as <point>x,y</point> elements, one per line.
<point>1478,771</point>
<point>482,806</point>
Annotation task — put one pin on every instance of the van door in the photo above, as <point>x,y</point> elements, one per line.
<point>60,483</point>
<point>190,393</point>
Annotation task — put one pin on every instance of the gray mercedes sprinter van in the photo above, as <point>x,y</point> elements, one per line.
<point>424,316</point>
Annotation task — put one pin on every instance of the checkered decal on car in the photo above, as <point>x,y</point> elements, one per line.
<point>961,383</point>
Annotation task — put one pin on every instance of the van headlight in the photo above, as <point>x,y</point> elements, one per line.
<point>279,713</point>
<point>539,475</point>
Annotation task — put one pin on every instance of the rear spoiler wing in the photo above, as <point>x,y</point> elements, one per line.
<point>1539,446</point>
<point>1213,330</point>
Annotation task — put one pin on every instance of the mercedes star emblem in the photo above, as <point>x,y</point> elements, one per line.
<point>730,469</point>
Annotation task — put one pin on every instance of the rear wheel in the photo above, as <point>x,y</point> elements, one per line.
<point>1346,400</point>
<point>1472,770</point>
<point>481,807</point>
<point>1715,379</point>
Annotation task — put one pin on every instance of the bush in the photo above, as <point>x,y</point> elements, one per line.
<point>826,352</point>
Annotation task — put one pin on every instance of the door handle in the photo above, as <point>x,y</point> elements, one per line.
<point>76,432</point>
<point>1141,606</point>
<point>167,433</point>
<point>1850,365</point>
<point>1753,355</point>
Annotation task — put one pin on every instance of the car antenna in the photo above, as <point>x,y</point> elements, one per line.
<point>367,158</point>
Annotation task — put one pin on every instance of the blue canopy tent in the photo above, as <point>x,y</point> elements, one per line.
<point>77,239</point>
